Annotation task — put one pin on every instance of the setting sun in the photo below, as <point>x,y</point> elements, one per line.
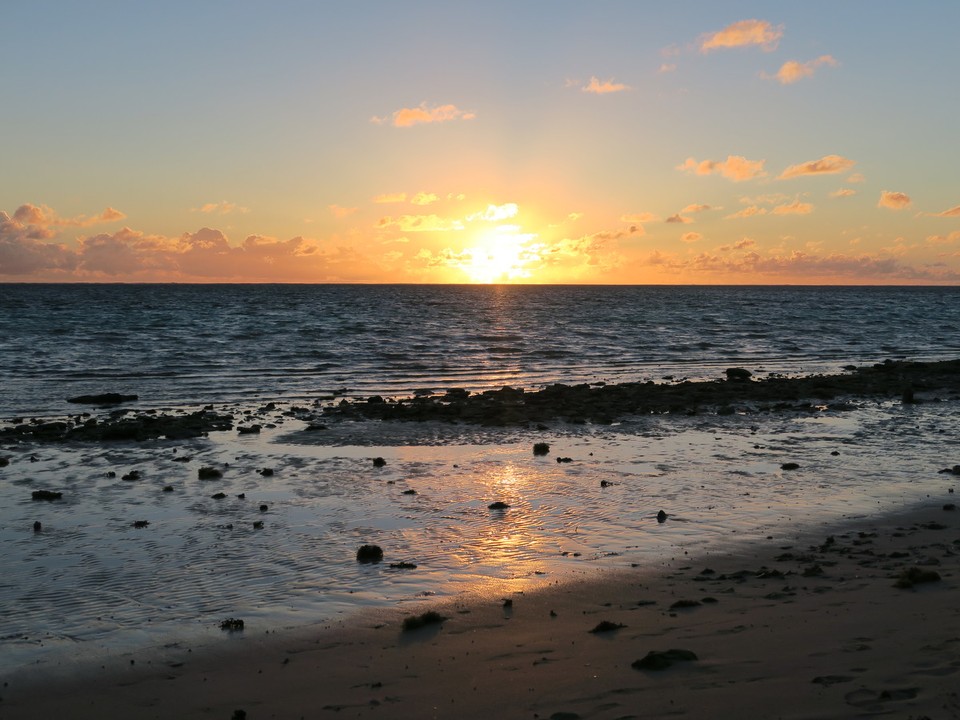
<point>503,255</point>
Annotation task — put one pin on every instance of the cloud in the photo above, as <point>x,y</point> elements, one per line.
<point>950,239</point>
<point>40,216</point>
<point>747,212</point>
<point>794,208</point>
<point>827,165</point>
<point>221,208</point>
<point>667,67</point>
<point>856,178</point>
<point>678,218</point>
<point>341,212</point>
<point>603,87</point>
<point>734,168</point>
<point>894,200</point>
<point>743,34</point>
<point>424,113</point>
<point>422,198</point>
<point>22,250</point>
<point>695,208</point>
<point>391,198</point>
<point>639,217</point>
<point>843,192</point>
<point>791,71</point>
<point>952,212</point>
<point>691,237</point>
<point>738,245</point>
<point>419,223</point>
<point>494,213</point>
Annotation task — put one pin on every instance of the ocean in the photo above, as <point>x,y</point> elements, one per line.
<point>197,344</point>
<point>126,562</point>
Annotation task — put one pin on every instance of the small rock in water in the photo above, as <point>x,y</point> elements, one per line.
<point>267,472</point>
<point>232,624</point>
<point>209,473</point>
<point>168,488</point>
<point>498,505</point>
<point>541,448</point>
<point>46,495</point>
<point>662,517</point>
<point>790,466</point>
<point>140,524</point>
<point>248,429</point>
<point>564,459</point>
<point>915,576</point>
<point>264,508</point>
<point>654,660</point>
<point>37,526</point>
<point>379,462</point>
<point>4,461</point>
<point>218,496</point>
<point>257,524</point>
<point>415,622</point>
<point>242,496</point>
<point>369,554</point>
<point>607,626</point>
<point>738,373</point>
<point>102,399</point>
<point>403,566</point>
<point>132,475</point>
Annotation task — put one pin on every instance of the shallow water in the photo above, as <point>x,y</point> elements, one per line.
<point>91,583</point>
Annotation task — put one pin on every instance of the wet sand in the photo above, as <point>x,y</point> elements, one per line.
<point>796,626</point>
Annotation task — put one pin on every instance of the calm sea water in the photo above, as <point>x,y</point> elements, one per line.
<point>189,344</point>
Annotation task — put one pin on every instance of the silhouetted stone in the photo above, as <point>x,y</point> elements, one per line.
<point>950,507</point>
<point>541,448</point>
<point>249,429</point>
<point>662,517</point>
<point>231,624</point>
<point>168,488</point>
<point>403,566</point>
<point>379,462</point>
<point>257,524</point>
<point>37,526</point>
<point>369,554</point>
<point>916,576</point>
<point>415,622</point>
<point>498,505</point>
<point>409,492</point>
<point>606,626</point>
<point>564,459</point>
<point>132,475</point>
<point>654,660</point>
<point>685,604</point>
<point>218,496</point>
<point>738,373</point>
<point>4,461</point>
<point>140,524</point>
<point>790,466</point>
<point>264,507</point>
<point>46,495</point>
<point>209,473</point>
<point>102,399</point>
<point>955,470</point>
<point>267,472</point>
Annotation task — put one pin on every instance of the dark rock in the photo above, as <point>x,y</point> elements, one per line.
<point>950,507</point>
<point>4,461</point>
<point>46,495</point>
<point>654,660</point>
<point>369,554</point>
<point>241,496</point>
<point>955,470</point>
<point>685,604</point>
<point>541,448</point>
<point>231,624</point>
<point>662,517</point>
<point>812,571</point>
<point>498,505</point>
<point>403,566</point>
<point>37,526</point>
<point>132,475</point>
<point>102,399</point>
<point>606,626</point>
<point>916,576</point>
<point>564,460</point>
<point>790,466</point>
<point>409,492</point>
<point>264,507</point>
<point>738,373</point>
<point>605,483</point>
<point>415,622</point>
<point>379,462</point>
<point>249,429</point>
<point>218,496</point>
<point>267,472</point>
<point>257,524</point>
<point>209,473</point>
<point>168,488</point>
<point>239,715</point>
<point>140,524</point>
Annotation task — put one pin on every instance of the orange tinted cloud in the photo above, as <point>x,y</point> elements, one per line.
<point>794,208</point>
<point>791,71</point>
<point>678,218</point>
<point>894,200</point>
<point>424,113</point>
<point>43,217</point>
<point>221,208</point>
<point>691,237</point>
<point>341,212</point>
<point>747,212</point>
<point>827,165</point>
<point>423,198</point>
<point>952,212</point>
<point>842,193</point>
<point>743,34</point>
<point>602,87</point>
<point>420,223</point>
<point>734,168</point>
<point>391,198</point>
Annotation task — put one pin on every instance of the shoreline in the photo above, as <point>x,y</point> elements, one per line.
<point>800,626</point>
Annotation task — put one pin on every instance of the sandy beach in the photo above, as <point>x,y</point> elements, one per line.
<point>793,627</point>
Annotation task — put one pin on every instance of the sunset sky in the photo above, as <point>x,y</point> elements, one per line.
<point>544,142</point>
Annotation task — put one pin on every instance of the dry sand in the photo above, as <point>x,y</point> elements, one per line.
<point>796,627</point>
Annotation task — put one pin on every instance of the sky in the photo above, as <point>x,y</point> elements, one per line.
<point>467,142</point>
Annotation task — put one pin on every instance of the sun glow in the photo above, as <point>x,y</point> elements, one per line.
<point>503,255</point>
